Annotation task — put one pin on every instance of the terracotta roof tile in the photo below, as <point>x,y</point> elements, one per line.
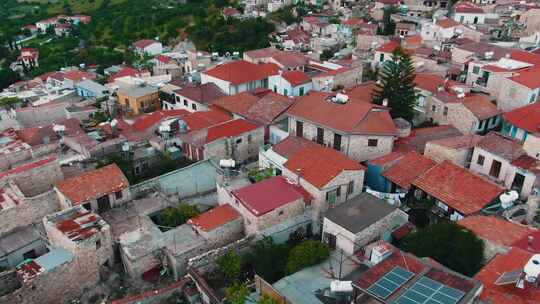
<point>93,184</point>
<point>241,71</point>
<point>495,230</point>
<point>419,137</point>
<point>481,107</point>
<point>514,260</point>
<point>296,78</point>
<point>408,168</point>
<point>141,44</point>
<point>457,187</point>
<point>291,60</point>
<point>36,135</point>
<point>263,53</point>
<point>527,163</point>
<point>204,119</point>
<point>256,199</point>
<point>458,142</point>
<point>529,78</point>
<point>526,118</point>
<point>501,145</point>
<point>362,91</point>
<point>468,8</point>
<point>215,217</point>
<point>320,165</point>
<point>204,93</point>
<point>388,47</point>
<point>144,123</point>
<point>447,23</point>
<point>292,144</point>
<point>28,167</point>
<point>229,129</point>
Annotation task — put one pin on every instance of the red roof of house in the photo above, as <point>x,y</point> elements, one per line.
<point>229,129</point>
<point>495,230</point>
<point>241,71</point>
<point>238,103</point>
<point>296,78</point>
<point>525,56</point>
<point>204,93</point>
<point>388,158</point>
<point>431,82</point>
<point>28,167</point>
<point>457,187</point>
<point>257,200</point>
<point>468,8</point>
<point>530,242</point>
<point>79,75</point>
<point>527,163</point>
<point>292,144</point>
<point>263,53</point>
<point>447,23</point>
<point>93,184</point>
<point>80,226</point>
<point>515,259</point>
<point>529,78</point>
<point>127,71</point>
<point>204,119</point>
<point>215,217</point>
<point>355,116</point>
<point>291,59</point>
<point>164,59</point>
<point>501,145</point>
<point>353,21</point>
<point>35,136</point>
<point>230,11</point>
<point>458,142</point>
<point>320,165</point>
<point>141,44</point>
<point>388,47</point>
<point>480,106</point>
<point>144,123</point>
<point>408,168</point>
<point>526,118</point>
<point>362,91</point>
<point>419,137</point>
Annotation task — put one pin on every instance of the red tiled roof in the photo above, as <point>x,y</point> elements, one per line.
<point>525,56</point>
<point>468,8</point>
<point>515,259</point>
<point>407,169</point>
<point>458,142</point>
<point>164,59</point>
<point>127,71</point>
<point>144,123</point>
<point>419,137</point>
<point>413,40</point>
<point>215,217</point>
<point>388,47</point>
<point>388,158</point>
<point>292,144</point>
<point>481,107</point>
<point>204,119</point>
<point>241,71</point>
<point>296,78</point>
<point>527,163</point>
<point>353,21</point>
<point>320,165</point>
<point>93,184</point>
<point>457,187</point>
<point>79,75</point>
<point>230,11</point>
<point>35,136</point>
<point>27,167</point>
<point>526,118</point>
<point>501,145</point>
<point>263,53</point>
<point>431,82</point>
<point>79,226</point>
<point>530,242</point>
<point>447,23</point>
<point>257,200</point>
<point>355,116</point>
<point>141,44</point>
<point>229,129</point>
<point>238,103</point>
<point>529,78</point>
<point>495,230</point>
<point>204,93</point>
<point>362,91</point>
<point>291,59</point>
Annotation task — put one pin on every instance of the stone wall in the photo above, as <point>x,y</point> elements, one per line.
<point>440,153</point>
<point>9,282</point>
<point>242,151</point>
<point>44,115</point>
<point>29,210</point>
<point>38,180</point>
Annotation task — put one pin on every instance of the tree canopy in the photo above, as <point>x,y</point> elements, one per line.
<point>307,254</point>
<point>449,244</point>
<point>397,85</point>
<point>230,266</point>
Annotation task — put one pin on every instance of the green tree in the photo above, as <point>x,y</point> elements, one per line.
<point>449,244</point>
<point>176,216</point>
<point>230,265</point>
<point>397,85</point>
<point>268,259</point>
<point>389,26</point>
<point>307,254</point>
<point>238,293</point>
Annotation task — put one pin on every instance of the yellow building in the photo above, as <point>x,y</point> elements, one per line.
<point>134,100</point>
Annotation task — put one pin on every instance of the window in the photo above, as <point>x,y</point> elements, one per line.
<point>533,98</point>
<point>495,168</point>
<point>372,142</point>
<point>337,142</point>
<point>118,195</point>
<point>275,88</point>
<point>445,111</point>
<point>320,136</point>
<point>238,141</point>
<point>194,106</point>
<point>280,212</point>
<point>299,129</point>
<point>285,92</point>
<point>98,244</point>
<point>350,188</point>
<point>185,102</point>
<point>480,160</point>
<point>177,99</point>
<point>433,108</point>
<point>338,191</point>
<point>381,58</point>
<point>301,91</point>
<point>88,206</point>
<point>476,70</point>
<point>249,138</point>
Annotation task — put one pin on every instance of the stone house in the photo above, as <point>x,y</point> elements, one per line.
<point>239,76</point>
<point>360,221</point>
<point>290,83</point>
<point>138,99</point>
<point>521,89</point>
<point>261,211</point>
<point>384,53</point>
<point>456,149</point>
<point>236,139</point>
<point>20,244</point>
<point>220,225</point>
<point>426,86</point>
<point>195,97</point>
<point>402,171</point>
<point>354,127</point>
<point>148,47</point>
<point>522,122</point>
<point>437,31</point>
<point>498,234</point>
<point>469,113</point>
<point>98,190</point>
<point>468,13</point>
<point>340,78</point>
<point>455,191</point>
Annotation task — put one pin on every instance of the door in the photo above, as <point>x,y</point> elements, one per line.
<point>337,142</point>
<point>299,129</point>
<point>320,136</point>
<point>331,197</point>
<point>495,169</point>
<point>103,204</point>
<point>517,184</point>
<point>331,240</point>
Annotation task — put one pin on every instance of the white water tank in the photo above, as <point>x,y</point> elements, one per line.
<point>532,269</point>
<point>341,286</point>
<point>227,163</point>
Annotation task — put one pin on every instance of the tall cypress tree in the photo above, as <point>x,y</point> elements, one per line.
<point>397,85</point>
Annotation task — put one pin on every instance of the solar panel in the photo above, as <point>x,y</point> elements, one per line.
<point>389,283</point>
<point>428,291</point>
<point>509,277</point>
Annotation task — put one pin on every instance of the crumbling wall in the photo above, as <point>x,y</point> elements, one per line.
<point>38,180</point>
<point>206,262</point>
<point>8,282</point>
